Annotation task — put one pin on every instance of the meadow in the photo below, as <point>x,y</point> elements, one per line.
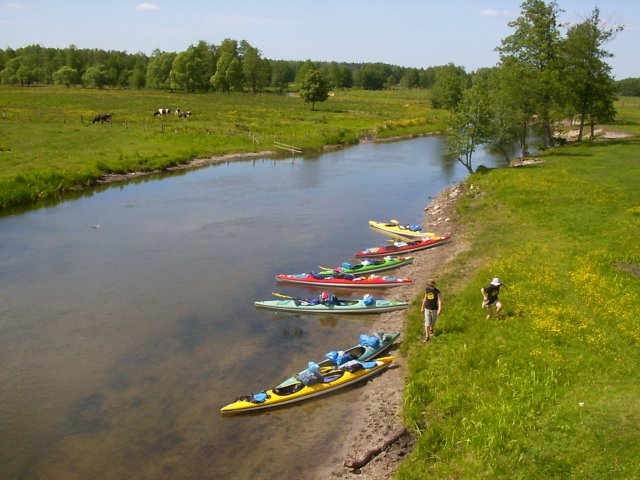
<point>49,145</point>
<point>550,390</point>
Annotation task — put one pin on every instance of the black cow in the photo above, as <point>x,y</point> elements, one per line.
<point>102,117</point>
<point>162,111</point>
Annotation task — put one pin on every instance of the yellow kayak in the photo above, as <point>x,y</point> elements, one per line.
<point>396,229</point>
<point>331,379</point>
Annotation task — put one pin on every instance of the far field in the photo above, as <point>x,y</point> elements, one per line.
<point>48,143</point>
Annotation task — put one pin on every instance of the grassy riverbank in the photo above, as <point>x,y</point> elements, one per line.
<point>550,389</point>
<point>48,144</point>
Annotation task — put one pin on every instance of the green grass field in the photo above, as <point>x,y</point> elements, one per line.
<point>48,144</point>
<point>551,389</point>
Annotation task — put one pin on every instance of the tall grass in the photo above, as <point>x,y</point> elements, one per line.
<point>550,389</point>
<point>49,145</point>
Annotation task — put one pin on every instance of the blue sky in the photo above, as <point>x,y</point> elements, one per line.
<point>410,33</point>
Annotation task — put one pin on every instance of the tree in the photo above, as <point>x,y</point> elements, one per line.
<point>282,73</point>
<point>536,44</point>
<point>254,68</point>
<point>628,87</point>
<point>66,76</point>
<point>159,70</point>
<point>515,103</point>
<point>338,76</point>
<point>97,77</point>
<point>410,79</point>
<point>372,76</point>
<point>470,124</point>
<point>190,70</point>
<point>314,88</point>
<point>450,83</point>
<point>228,68</point>
<point>590,83</point>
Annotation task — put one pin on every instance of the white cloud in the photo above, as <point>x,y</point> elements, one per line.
<point>147,6</point>
<point>492,12</point>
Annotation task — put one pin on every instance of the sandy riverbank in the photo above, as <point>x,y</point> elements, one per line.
<point>377,416</point>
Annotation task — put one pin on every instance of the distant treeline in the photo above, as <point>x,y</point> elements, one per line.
<point>230,66</point>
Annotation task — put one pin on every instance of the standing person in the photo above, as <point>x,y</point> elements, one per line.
<point>431,308</point>
<point>490,295</point>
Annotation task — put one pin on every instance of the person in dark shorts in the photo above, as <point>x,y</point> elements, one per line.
<point>431,308</point>
<point>490,298</point>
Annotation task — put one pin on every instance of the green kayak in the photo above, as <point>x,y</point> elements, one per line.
<point>295,305</point>
<point>366,267</point>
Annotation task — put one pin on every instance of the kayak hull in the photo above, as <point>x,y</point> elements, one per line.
<point>366,268</point>
<point>397,230</point>
<point>276,398</point>
<point>337,282</point>
<point>411,246</point>
<point>351,307</point>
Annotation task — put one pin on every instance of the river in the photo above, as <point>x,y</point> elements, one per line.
<point>127,318</point>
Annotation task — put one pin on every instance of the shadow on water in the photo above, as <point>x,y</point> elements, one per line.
<point>121,343</point>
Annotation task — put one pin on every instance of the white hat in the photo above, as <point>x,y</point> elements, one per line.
<point>496,281</point>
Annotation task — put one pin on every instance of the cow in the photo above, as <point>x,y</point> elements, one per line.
<point>162,111</point>
<point>182,114</point>
<point>102,117</point>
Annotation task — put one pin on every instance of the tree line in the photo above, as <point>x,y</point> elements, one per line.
<point>543,78</point>
<point>231,66</point>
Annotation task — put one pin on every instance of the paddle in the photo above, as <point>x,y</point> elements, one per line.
<point>282,296</point>
<point>327,268</point>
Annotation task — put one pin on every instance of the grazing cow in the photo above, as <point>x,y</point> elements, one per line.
<point>162,111</point>
<point>182,114</point>
<point>102,117</point>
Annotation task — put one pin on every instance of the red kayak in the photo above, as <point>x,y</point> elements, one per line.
<point>343,281</point>
<point>397,248</point>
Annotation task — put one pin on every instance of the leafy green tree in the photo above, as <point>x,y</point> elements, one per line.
<point>186,72</point>
<point>372,76</point>
<point>96,77</point>
<point>66,76</point>
<point>304,70</point>
<point>254,68</point>
<point>515,103</point>
<point>219,80</point>
<point>628,87</point>
<point>235,75</point>
<point>159,70</point>
<point>536,43</point>
<point>282,74</point>
<point>590,85</point>
<point>226,74</point>
<point>8,75</point>
<point>411,79</point>
<point>314,88</point>
<point>427,77</point>
<point>470,124</point>
<point>450,83</point>
<point>338,76</point>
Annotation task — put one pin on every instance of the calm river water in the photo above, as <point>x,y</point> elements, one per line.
<point>119,344</point>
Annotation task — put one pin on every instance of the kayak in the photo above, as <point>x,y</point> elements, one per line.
<point>397,229</point>
<point>370,346</point>
<point>403,247</point>
<point>329,380</point>
<point>367,266</point>
<point>342,281</point>
<point>355,306</point>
